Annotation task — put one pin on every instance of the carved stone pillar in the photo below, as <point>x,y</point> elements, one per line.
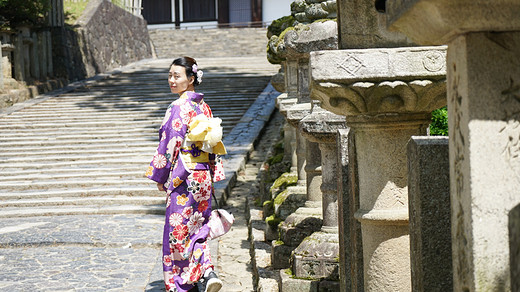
<point>387,96</point>
<point>483,73</point>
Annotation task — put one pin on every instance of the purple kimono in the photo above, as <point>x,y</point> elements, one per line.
<point>187,175</point>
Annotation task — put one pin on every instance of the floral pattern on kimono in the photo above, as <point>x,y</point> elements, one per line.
<point>189,187</point>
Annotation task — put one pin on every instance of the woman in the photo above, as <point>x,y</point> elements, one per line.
<point>184,166</point>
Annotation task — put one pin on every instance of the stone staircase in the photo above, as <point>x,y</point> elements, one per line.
<point>86,151</point>
<point>223,42</point>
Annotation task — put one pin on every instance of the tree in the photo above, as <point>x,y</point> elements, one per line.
<point>15,13</point>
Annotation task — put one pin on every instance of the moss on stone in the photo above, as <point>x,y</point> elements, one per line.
<point>277,26</point>
<point>281,198</point>
<point>266,203</point>
<point>283,181</point>
<point>273,221</point>
<point>275,159</point>
<point>325,20</point>
<point>288,271</point>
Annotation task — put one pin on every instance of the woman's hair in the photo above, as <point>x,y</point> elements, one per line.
<point>188,63</point>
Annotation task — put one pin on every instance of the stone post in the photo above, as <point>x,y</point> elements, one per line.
<point>34,56</point>
<point>429,211</point>
<point>483,73</point>
<point>387,96</point>
<point>514,246</point>
<point>1,69</point>
<point>350,244</point>
<point>18,59</point>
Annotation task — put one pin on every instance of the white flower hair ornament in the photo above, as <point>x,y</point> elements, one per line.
<point>199,73</point>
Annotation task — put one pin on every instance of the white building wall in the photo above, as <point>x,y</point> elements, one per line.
<point>274,9</point>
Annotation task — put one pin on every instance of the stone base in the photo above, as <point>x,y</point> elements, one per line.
<point>271,233</point>
<point>317,257</point>
<point>300,224</point>
<point>281,255</point>
<point>291,284</point>
<point>288,201</point>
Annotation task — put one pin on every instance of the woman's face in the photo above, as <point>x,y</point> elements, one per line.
<point>178,80</point>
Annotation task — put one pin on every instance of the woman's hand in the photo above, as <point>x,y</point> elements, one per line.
<point>160,187</point>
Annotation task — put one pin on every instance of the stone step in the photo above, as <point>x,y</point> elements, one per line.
<point>13,212</point>
<point>70,151</point>
<point>41,185</point>
<point>126,145</point>
<point>74,172</point>
<point>86,124</point>
<point>59,174</point>
<point>58,160</point>
<point>77,131</point>
<point>87,164</point>
<point>153,108</point>
<point>114,116</point>
<point>121,99</point>
<point>149,190</point>
<point>92,135</point>
<point>152,140</point>
<point>87,201</point>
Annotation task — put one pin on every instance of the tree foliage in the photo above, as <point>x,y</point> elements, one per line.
<point>15,13</point>
<point>439,125</point>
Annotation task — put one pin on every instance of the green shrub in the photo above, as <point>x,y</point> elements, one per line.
<point>439,125</point>
<point>14,13</point>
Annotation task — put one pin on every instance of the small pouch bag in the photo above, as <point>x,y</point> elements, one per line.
<point>220,221</point>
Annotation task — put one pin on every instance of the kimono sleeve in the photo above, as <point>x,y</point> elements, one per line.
<point>171,135</point>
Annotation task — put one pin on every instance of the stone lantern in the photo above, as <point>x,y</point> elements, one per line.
<point>386,95</point>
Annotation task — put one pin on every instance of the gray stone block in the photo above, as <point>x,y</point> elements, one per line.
<point>289,201</point>
<point>317,257</point>
<point>429,213</point>
<point>363,27</point>
<point>289,284</point>
<point>438,22</point>
<point>281,255</point>
<point>514,247</point>
<point>299,225</point>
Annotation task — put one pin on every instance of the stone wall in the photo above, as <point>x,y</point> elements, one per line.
<point>110,37</point>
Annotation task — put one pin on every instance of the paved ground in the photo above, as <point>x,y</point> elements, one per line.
<point>49,156</point>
